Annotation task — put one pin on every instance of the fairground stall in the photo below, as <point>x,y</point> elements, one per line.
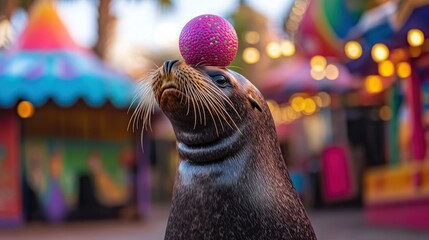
<point>65,152</point>
<point>391,42</point>
<point>385,45</point>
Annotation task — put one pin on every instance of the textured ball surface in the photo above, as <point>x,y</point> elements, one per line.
<point>208,40</point>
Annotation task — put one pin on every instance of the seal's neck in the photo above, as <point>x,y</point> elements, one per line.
<point>221,174</point>
<point>232,160</point>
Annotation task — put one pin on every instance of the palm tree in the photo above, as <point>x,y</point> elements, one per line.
<point>105,23</point>
<point>8,7</point>
<point>105,19</point>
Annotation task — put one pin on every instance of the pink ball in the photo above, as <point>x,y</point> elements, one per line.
<point>208,40</point>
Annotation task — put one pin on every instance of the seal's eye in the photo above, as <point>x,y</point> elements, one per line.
<point>221,81</point>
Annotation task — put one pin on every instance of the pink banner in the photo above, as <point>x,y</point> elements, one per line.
<point>418,149</point>
<point>337,174</point>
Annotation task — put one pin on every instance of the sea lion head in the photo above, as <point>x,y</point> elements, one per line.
<point>231,173</point>
<point>207,106</point>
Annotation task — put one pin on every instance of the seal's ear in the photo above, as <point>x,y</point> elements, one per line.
<point>254,103</point>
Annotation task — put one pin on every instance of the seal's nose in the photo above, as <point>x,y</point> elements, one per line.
<point>168,65</point>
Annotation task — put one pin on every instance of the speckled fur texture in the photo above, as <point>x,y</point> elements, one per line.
<point>240,188</point>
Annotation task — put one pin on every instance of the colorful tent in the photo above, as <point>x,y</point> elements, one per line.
<point>391,29</point>
<point>46,63</point>
<point>410,14</point>
<point>326,23</point>
<point>294,75</point>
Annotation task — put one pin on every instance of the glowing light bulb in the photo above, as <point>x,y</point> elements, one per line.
<point>353,50</point>
<point>298,103</point>
<point>373,84</point>
<point>25,109</point>
<point>309,106</point>
<point>318,63</point>
<point>251,55</point>
<point>403,69</point>
<point>332,72</point>
<point>415,37</point>
<point>273,50</point>
<point>252,37</point>
<point>316,75</point>
<point>379,52</point>
<point>287,48</point>
<point>386,68</point>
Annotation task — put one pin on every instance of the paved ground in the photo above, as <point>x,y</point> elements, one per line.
<point>329,225</point>
<point>350,225</point>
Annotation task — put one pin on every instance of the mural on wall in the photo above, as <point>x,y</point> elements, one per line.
<point>53,169</point>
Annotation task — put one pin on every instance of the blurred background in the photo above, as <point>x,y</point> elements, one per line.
<point>347,82</point>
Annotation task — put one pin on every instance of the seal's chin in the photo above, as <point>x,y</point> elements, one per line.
<point>198,150</point>
<point>203,135</point>
<point>202,142</point>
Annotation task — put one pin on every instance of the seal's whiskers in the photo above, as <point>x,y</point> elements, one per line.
<point>217,100</point>
<point>204,92</point>
<point>196,107</point>
<point>204,104</point>
<point>199,94</point>
<point>146,105</point>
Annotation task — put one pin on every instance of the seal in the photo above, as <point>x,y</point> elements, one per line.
<point>231,181</point>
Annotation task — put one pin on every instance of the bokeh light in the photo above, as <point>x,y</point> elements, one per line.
<point>273,50</point>
<point>309,106</point>
<point>287,48</point>
<point>385,113</point>
<point>284,118</point>
<point>251,55</point>
<point>386,68</point>
<point>252,37</point>
<point>297,103</point>
<point>325,99</point>
<point>291,114</point>
<point>373,84</point>
<point>379,52</point>
<point>332,72</point>
<point>318,63</point>
<point>353,50</point>
<point>318,100</point>
<point>25,109</point>
<point>403,69</point>
<point>317,75</point>
<point>415,37</point>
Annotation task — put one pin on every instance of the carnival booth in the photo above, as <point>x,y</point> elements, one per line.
<point>310,108</point>
<point>384,43</point>
<point>310,92</point>
<point>392,42</point>
<point>65,152</point>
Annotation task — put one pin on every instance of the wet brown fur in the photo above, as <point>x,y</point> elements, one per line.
<point>231,182</point>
